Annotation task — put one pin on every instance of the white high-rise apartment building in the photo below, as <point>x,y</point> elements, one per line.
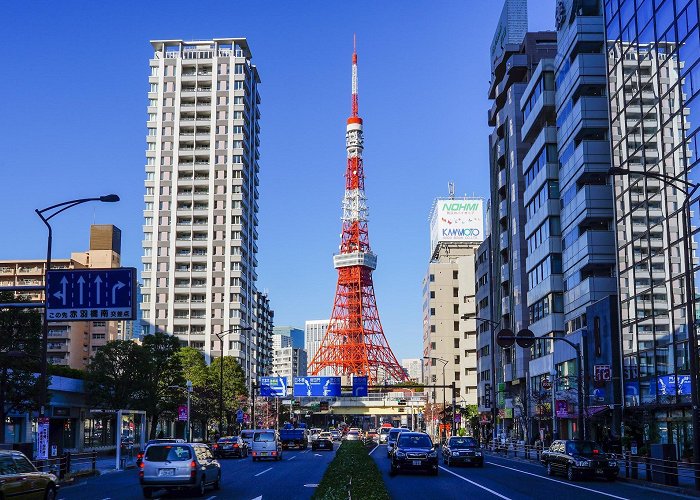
<point>200,217</point>
<point>414,369</point>
<point>315,330</point>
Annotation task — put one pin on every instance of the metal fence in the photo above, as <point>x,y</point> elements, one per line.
<point>69,463</point>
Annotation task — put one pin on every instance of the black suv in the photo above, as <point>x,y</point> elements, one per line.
<point>579,458</point>
<point>462,450</point>
<point>414,451</point>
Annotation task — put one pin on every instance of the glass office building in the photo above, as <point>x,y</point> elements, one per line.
<point>653,51</point>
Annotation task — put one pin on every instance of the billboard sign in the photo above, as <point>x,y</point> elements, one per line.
<point>91,294</point>
<point>457,220</point>
<point>316,386</point>
<point>272,387</point>
<point>672,385</point>
<point>182,412</point>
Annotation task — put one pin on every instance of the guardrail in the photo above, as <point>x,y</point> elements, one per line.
<point>69,463</point>
<point>653,470</point>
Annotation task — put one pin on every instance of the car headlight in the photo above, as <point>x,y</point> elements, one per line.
<point>433,453</point>
<point>612,463</point>
<point>400,454</point>
<point>582,463</point>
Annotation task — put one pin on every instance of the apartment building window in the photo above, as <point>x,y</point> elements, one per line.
<point>432,278</point>
<point>238,85</point>
<point>456,343</point>
<point>98,336</point>
<point>432,294</point>
<point>238,69</point>
<point>455,308</point>
<point>455,275</point>
<point>432,311</point>
<point>432,328</point>
<point>153,87</point>
<point>99,324</point>
<point>455,292</point>
<point>456,326</point>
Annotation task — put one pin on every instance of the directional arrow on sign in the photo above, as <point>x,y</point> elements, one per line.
<point>98,284</point>
<point>62,294</point>
<point>81,282</point>
<point>116,287</point>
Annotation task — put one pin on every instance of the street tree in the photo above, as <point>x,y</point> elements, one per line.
<point>234,385</point>
<point>114,375</point>
<point>20,350</point>
<point>160,370</point>
<point>204,397</point>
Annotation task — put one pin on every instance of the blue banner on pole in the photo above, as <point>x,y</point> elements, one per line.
<point>316,386</point>
<point>359,386</point>
<point>273,387</point>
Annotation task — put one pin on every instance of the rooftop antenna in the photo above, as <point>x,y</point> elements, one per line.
<point>451,189</point>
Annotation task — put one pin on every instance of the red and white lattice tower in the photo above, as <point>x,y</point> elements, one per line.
<point>354,343</point>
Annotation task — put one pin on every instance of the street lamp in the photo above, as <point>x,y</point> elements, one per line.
<point>444,409</point>
<point>221,336</point>
<point>688,188</point>
<point>188,388</point>
<point>53,211</point>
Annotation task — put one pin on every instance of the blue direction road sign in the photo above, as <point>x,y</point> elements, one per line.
<point>91,294</point>
<point>316,386</point>
<point>359,386</point>
<point>273,386</point>
<point>239,416</point>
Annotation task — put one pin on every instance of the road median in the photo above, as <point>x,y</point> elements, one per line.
<point>352,474</point>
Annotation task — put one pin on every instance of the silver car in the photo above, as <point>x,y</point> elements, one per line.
<point>247,436</point>
<point>178,466</point>
<point>266,444</point>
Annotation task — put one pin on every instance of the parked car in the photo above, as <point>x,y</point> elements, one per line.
<point>139,455</point>
<point>20,479</point>
<point>230,446</point>
<point>462,450</point>
<point>352,436</point>
<point>384,434</point>
<point>414,451</point>
<point>247,436</point>
<point>266,444</point>
<point>179,466</point>
<point>335,434</point>
<point>579,458</point>
<point>324,441</point>
<point>391,440</point>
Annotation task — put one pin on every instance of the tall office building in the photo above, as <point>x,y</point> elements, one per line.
<point>73,343</point>
<point>314,331</point>
<point>513,63</point>
<point>200,217</point>
<point>449,324</point>
<point>654,82</point>
<point>289,362</point>
<point>280,340</point>
<point>296,335</point>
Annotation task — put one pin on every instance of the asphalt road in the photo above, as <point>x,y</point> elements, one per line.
<point>507,479</point>
<point>294,477</point>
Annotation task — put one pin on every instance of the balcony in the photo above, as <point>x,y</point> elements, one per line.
<point>505,273</point>
<point>502,178</point>
<point>505,305</point>
<point>503,210</point>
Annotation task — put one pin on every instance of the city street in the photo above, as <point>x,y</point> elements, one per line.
<point>291,478</point>
<point>504,478</point>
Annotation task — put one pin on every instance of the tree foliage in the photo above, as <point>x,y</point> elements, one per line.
<point>113,377</point>
<point>20,351</point>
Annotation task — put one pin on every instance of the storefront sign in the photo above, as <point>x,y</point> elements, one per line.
<point>61,411</point>
<point>182,412</point>
<point>562,409</point>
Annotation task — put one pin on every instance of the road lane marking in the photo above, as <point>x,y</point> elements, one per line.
<point>258,498</point>
<point>289,459</point>
<point>211,498</point>
<point>558,481</point>
<point>373,450</point>
<point>475,484</point>
<point>263,472</point>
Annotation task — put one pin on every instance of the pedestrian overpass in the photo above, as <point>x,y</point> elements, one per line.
<point>372,404</point>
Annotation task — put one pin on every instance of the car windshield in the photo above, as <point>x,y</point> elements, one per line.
<point>384,430</point>
<point>354,433</point>
<point>264,437</point>
<point>394,434</point>
<point>247,435</point>
<point>173,453</point>
<point>583,448</point>
<point>414,441</point>
<point>227,440</point>
<point>462,442</point>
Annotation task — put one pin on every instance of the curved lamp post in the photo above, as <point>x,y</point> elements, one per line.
<point>46,214</point>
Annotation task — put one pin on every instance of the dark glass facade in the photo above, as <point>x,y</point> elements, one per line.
<point>653,51</point>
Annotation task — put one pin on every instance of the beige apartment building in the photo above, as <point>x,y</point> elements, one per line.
<point>72,343</point>
<point>448,295</point>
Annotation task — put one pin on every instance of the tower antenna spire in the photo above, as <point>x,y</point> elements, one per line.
<point>354,77</point>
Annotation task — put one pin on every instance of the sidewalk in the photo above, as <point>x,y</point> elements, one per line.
<point>686,481</point>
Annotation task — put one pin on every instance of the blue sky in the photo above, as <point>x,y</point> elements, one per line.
<point>73,124</point>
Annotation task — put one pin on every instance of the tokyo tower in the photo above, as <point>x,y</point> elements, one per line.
<point>354,343</point>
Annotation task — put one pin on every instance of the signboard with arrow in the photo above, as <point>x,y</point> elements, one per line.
<point>91,294</point>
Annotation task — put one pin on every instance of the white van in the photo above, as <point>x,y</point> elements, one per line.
<point>266,444</point>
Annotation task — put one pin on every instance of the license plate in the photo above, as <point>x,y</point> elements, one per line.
<point>599,471</point>
<point>166,472</point>
<point>416,462</point>
<point>264,453</point>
